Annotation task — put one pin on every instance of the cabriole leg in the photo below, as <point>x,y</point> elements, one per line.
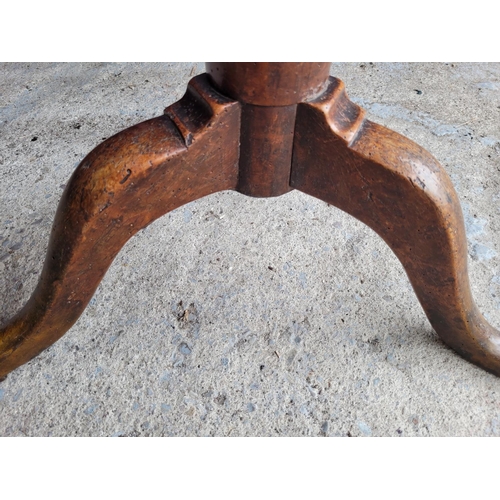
<point>119,188</point>
<point>401,192</point>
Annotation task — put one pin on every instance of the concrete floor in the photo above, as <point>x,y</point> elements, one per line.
<point>330,341</point>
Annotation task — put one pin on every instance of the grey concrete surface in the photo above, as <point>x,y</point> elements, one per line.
<point>301,321</point>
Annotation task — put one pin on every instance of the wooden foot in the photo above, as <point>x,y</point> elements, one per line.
<point>401,192</point>
<point>119,188</point>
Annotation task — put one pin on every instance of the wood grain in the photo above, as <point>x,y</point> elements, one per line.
<point>399,190</point>
<point>270,83</point>
<point>291,127</point>
<point>123,185</point>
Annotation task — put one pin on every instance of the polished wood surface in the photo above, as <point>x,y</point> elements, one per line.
<point>262,129</point>
<point>269,84</point>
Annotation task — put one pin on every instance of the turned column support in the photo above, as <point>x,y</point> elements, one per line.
<point>269,94</point>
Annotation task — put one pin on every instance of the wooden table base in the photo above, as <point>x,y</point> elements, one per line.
<point>262,129</point>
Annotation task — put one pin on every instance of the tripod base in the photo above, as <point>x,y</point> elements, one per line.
<point>208,142</point>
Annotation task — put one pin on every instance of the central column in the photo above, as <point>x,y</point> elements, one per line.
<point>269,94</point>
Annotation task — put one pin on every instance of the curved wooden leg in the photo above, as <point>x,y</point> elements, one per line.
<point>119,188</point>
<point>400,191</point>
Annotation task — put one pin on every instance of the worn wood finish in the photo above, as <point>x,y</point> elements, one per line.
<point>269,93</point>
<point>266,149</point>
<point>293,136</point>
<point>270,84</point>
<point>401,192</point>
<point>119,188</point>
